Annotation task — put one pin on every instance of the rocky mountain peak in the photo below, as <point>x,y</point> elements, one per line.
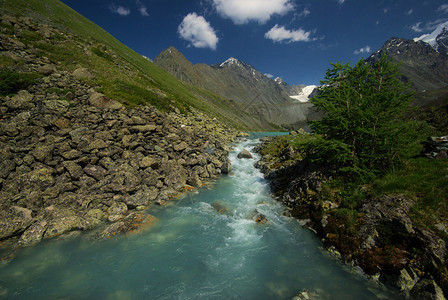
<point>442,41</point>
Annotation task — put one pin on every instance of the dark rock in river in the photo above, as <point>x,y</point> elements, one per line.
<point>245,155</point>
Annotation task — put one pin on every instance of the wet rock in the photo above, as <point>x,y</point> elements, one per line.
<point>259,217</point>
<point>245,155</point>
<point>34,234</point>
<point>117,211</point>
<point>141,198</point>
<point>226,167</point>
<point>14,220</point>
<point>220,208</point>
<point>63,220</point>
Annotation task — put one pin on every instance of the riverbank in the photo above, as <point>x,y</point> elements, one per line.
<point>378,233</point>
<point>73,159</point>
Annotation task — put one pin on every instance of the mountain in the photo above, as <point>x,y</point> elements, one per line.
<point>267,100</point>
<point>423,63</point>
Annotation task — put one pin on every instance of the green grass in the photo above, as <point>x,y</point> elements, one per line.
<point>425,181</point>
<point>121,73</point>
<point>11,82</point>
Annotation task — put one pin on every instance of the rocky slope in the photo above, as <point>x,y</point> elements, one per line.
<point>379,236</point>
<point>261,97</point>
<point>424,64</point>
<point>74,159</point>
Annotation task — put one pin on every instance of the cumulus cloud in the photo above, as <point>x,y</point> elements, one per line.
<point>142,9</point>
<point>269,75</point>
<point>409,12</point>
<point>443,8</point>
<point>280,34</point>
<point>366,49</point>
<point>198,32</point>
<point>241,12</point>
<point>122,11</point>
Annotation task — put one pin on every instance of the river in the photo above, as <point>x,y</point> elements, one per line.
<point>193,252</point>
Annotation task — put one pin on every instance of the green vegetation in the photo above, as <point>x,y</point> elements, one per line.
<point>11,82</point>
<point>423,180</point>
<point>120,73</point>
<point>363,129</point>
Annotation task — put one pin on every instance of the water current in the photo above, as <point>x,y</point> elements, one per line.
<point>193,252</point>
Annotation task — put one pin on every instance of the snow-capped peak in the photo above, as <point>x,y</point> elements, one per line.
<point>230,61</point>
<point>431,38</point>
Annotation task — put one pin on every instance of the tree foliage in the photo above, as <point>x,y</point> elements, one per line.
<point>363,127</point>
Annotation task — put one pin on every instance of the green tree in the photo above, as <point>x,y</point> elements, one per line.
<point>363,127</point>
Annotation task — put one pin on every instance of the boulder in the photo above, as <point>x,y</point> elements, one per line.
<point>82,73</point>
<point>220,208</point>
<point>259,217</point>
<point>101,101</point>
<point>13,221</point>
<point>34,234</point>
<point>245,155</point>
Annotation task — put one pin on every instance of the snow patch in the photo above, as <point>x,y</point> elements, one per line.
<point>304,94</point>
<point>431,38</point>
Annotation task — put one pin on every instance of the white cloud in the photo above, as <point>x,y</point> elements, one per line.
<point>122,11</point>
<point>386,10</point>
<point>430,26</point>
<point>142,9</point>
<point>341,1</point>
<point>198,32</point>
<point>409,12</point>
<point>443,8</point>
<point>269,75</point>
<point>366,49</point>
<point>417,27</point>
<point>305,12</point>
<point>241,12</point>
<point>280,34</point>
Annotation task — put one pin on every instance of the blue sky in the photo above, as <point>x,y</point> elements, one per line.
<point>292,39</point>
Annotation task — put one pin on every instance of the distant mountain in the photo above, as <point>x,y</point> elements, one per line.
<point>424,63</point>
<point>263,98</point>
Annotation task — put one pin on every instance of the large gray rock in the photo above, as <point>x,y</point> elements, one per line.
<point>101,101</point>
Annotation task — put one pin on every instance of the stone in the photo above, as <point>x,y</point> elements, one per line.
<point>226,167</point>
<point>147,162</point>
<point>63,220</point>
<point>95,171</point>
<point>82,73</point>
<point>14,220</point>
<point>34,234</point>
<point>180,146</point>
<point>143,128</point>
<point>6,167</point>
<point>141,198</point>
<point>22,100</point>
<point>46,69</point>
<point>406,282</point>
<point>220,208</point>
<point>117,211</point>
<point>259,217</point>
<point>73,169</point>
<point>101,101</point>
<point>245,155</point>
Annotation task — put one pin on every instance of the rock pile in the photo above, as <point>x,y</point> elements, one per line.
<point>71,158</point>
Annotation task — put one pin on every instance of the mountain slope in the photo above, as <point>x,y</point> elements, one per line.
<point>118,72</point>
<point>424,64</point>
<point>242,84</point>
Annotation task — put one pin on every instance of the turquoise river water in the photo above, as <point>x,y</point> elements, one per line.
<point>192,252</point>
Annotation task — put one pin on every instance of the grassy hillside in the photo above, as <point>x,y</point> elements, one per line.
<point>119,72</point>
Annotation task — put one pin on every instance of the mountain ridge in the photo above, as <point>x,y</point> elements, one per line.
<point>243,85</point>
